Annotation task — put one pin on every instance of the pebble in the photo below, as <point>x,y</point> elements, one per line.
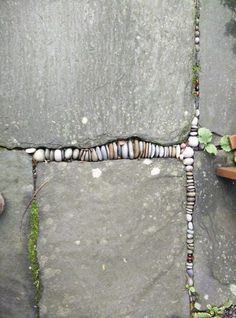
<point>193,141</point>
<point>189,168</point>
<point>111,151</point>
<point>149,150</point>
<point>94,156</point>
<point>47,154</point>
<point>173,153</point>
<point>130,149</point>
<point>193,133</point>
<point>157,151</point>
<point>166,152</point>
<point>2,204</point>
<point>115,152</point>
<point>197,39</point>
<point>75,155</point>
<point>190,225</point>
<point>197,112</point>
<point>189,217</point>
<point>141,149</point>
<point>189,174</point>
<point>104,153</point>
<point>153,150</point>
<point>99,153</point>
<point>86,156</point>
<point>188,161</point>
<point>190,272</point>
<point>136,148</point>
<point>57,155</point>
<point>178,151</point>
<point>188,152</point>
<point>190,231</point>
<point>191,194</point>
<point>124,151</point>
<point>51,155</point>
<point>197,33</point>
<point>190,281</point>
<point>190,236</point>
<point>183,145</point>
<point>189,211</point>
<point>68,153</point>
<point>30,150</point>
<point>161,151</point>
<point>197,47</point>
<point>39,155</point>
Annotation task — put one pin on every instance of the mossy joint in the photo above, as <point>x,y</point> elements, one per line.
<point>32,251</point>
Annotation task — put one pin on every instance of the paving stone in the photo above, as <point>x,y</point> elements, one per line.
<point>91,71</point>
<point>16,287</point>
<point>218,64</point>
<point>112,239</point>
<point>215,224</point>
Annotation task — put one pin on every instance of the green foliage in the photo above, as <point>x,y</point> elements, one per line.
<point>32,250</point>
<point>204,136</point>
<point>211,149</point>
<point>214,311</point>
<point>224,143</point>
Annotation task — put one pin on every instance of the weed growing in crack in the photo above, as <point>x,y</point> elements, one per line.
<point>32,251</point>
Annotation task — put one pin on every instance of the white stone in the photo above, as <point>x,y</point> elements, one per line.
<point>189,217</point>
<point>155,171</point>
<point>189,168</point>
<point>197,112</point>
<point>68,153</point>
<point>75,153</point>
<point>96,173</point>
<point>193,141</point>
<point>84,120</point>
<point>178,151</point>
<point>195,121</point>
<point>190,225</point>
<point>197,39</point>
<point>30,150</point>
<point>58,155</point>
<point>161,151</point>
<point>39,155</point>
<point>188,161</point>
<point>188,152</point>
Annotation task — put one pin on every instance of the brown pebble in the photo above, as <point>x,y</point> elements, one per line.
<point>145,149</point>
<point>94,155</point>
<point>111,151</point>
<point>173,154</point>
<point>170,151</point>
<point>136,148</point>
<point>2,204</point>
<point>189,173</point>
<point>115,154</point>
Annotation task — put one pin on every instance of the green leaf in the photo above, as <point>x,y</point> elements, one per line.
<point>197,306</point>
<point>224,143</point>
<point>204,315</point>
<point>192,289</point>
<point>204,135</point>
<point>211,149</point>
<point>228,303</point>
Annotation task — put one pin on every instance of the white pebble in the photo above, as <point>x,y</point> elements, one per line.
<point>190,225</point>
<point>189,217</point>
<point>193,141</point>
<point>188,161</point>
<point>189,168</point>
<point>75,154</point>
<point>39,155</point>
<point>161,151</point>
<point>188,152</point>
<point>68,153</point>
<point>30,150</point>
<point>195,121</point>
<point>197,112</point>
<point>197,39</point>
<point>58,155</point>
<point>84,120</point>
<point>177,151</point>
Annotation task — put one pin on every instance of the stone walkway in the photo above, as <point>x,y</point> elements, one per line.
<point>112,239</point>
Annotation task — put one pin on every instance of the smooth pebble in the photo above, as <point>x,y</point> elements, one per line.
<point>58,155</point>
<point>39,155</point>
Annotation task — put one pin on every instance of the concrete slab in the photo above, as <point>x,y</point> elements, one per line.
<point>16,287</point>
<point>215,224</point>
<point>218,65</point>
<point>85,72</point>
<point>112,239</point>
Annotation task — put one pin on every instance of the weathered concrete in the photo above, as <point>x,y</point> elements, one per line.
<point>85,72</point>
<point>215,223</point>
<point>218,65</point>
<point>112,239</point>
<point>16,287</point>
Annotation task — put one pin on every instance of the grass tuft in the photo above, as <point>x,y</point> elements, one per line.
<point>32,251</point>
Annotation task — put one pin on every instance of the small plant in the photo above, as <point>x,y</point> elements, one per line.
<point>213,311</point>
<point>205,138</point>
<point>195,79</point>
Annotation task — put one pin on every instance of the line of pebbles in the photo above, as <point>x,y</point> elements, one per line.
<point>120,149</point>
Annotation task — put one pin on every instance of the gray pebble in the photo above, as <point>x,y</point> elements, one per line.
<point>124,151</point>
<point>153,150</point>
<point>141,147</point>
<point>47,154</point>
<point>157,151</point>
<point>75,154</point>
<point>86,156</point>
<point>170,151</point>
<point>190,272</point>
<point>107,149</point>
<point>104,153</point>
<point>190,231</point>
<point>99,153</point>
<point>94,155</point>
<point>39,155</point>
<point>51,156</point>
<point>166,152</point>
<point>161,151</point>
<point>68,153</point>
<point>130,149</point>
<point>58,155</point>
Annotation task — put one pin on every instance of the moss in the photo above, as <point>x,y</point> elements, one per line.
<point>32,251</point>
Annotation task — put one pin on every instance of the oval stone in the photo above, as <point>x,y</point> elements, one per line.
<point>58,155</point>
<point>188,152</point>
<point>39,155</point>
<point>189,168</point>
<point>193,141</point>
<point>153,150</point>
<point>177,151</point>
<point>130,149</point>
<point>75,154</point>
<point>68,153</point>
<point>124,151</point>
<point>188,161</point>
<point>99,153</point>
<point>94,155</point>
<point>30,150</point>
<point>161,151</point>
<point>115,153</point>
<point>136,148</point>
<point>104,153</point>
<point>157,151</point>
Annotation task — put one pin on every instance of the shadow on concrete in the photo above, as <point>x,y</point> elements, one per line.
<point>230,27</point>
